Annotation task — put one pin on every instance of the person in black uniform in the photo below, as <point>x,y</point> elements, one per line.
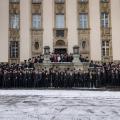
<point>75,78</point>
<point>43,78</point>
<point>36,79</point>
<point>86,79</point>
<point>40,78</point>
<point>108,77</point>
<point>56,82</point>
<point>1,78</point>
<point>21,79</point>
<point>71,79</point>
<point>26,78</point>
<point>32,78</point>
<point>98,78</point>
<point>15,79</point>
<point>61,79</point>
<point>119,76</point>
<point>65,79</point>
<point>93,82</point>
<point>116,77</point>
<point>53,78</point>
<point>113,79</point>
<point>46,79</point>
<point>80,81</point>
<point>5,79</point>
<point>68,79</point>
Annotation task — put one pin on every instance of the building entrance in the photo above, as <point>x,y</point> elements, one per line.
<point>60,50</point>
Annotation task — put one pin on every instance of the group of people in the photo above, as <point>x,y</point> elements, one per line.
<point>55,57</point>
<point>98,75</point>
<point>65,57</point>
<point>37,59</point>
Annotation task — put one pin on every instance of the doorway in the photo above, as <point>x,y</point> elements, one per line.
<point>60,50</point>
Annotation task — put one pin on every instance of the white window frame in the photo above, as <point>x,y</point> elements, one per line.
<point>105,20</point>
<point>83,20</point>
<point>106,47</point>
<point>36,21</point>
<point>60,21</point>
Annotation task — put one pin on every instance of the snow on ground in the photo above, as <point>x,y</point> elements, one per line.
<point>59,105</point>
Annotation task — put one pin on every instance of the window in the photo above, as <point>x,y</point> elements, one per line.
<point>59,33</point>
<point>14,1</point>
<point>14,49</point>
<point>105,20</point>
<point>14,21</point>
<point>104,1</point>
<point>83,1</point>
<point>36,21</point>
<point>59,1</point>
<point>60,21</point>
<point>83,20</point>
<point>36,1</point>
<point>105,48</point>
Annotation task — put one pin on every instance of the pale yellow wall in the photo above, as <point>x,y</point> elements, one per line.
<point>95,40</point>
<point>115,12</point>
<point>48,23</point>
<point>71,23</point>
<point>25,29</point>
<point>4,22</point>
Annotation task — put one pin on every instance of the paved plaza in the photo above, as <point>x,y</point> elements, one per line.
<point>59,105</point>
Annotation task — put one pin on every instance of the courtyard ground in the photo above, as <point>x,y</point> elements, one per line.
<point>59,105</point>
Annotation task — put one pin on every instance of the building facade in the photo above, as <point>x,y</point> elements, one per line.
<point>26,26</point>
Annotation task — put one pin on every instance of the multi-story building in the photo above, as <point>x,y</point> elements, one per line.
<point>26,26</point>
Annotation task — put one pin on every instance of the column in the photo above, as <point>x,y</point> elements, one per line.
<point>115,16</point>
<point>48,23</point>
<point>4,29</point>
<point>25,26</point>
<point>72,24</point>
<point>95,39</point>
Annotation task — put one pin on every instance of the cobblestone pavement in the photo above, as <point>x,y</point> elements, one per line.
<point>59,105</point>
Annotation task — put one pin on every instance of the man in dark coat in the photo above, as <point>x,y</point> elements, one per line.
<point>80,81</point>
<point>93,80</point>
<point>36,79</point>
<point>5,79</point>
<point>43,78</point>
<point>119,77</point>
<point>40,78</point>
<point>56,81</point>
<point>61,79</point>
<point>116,78</point>
<point>32,74</point>
<point>98,78</point>
<point>86,79</point>
<point>65,79</point>
<point>71,77</point>
<point>75,78</point>
<point>26,78</point>
<point>113,79</point>
<point>1,78</point>
<point>15,79</point>
<point>21,79</point>
<point>46,79</point>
